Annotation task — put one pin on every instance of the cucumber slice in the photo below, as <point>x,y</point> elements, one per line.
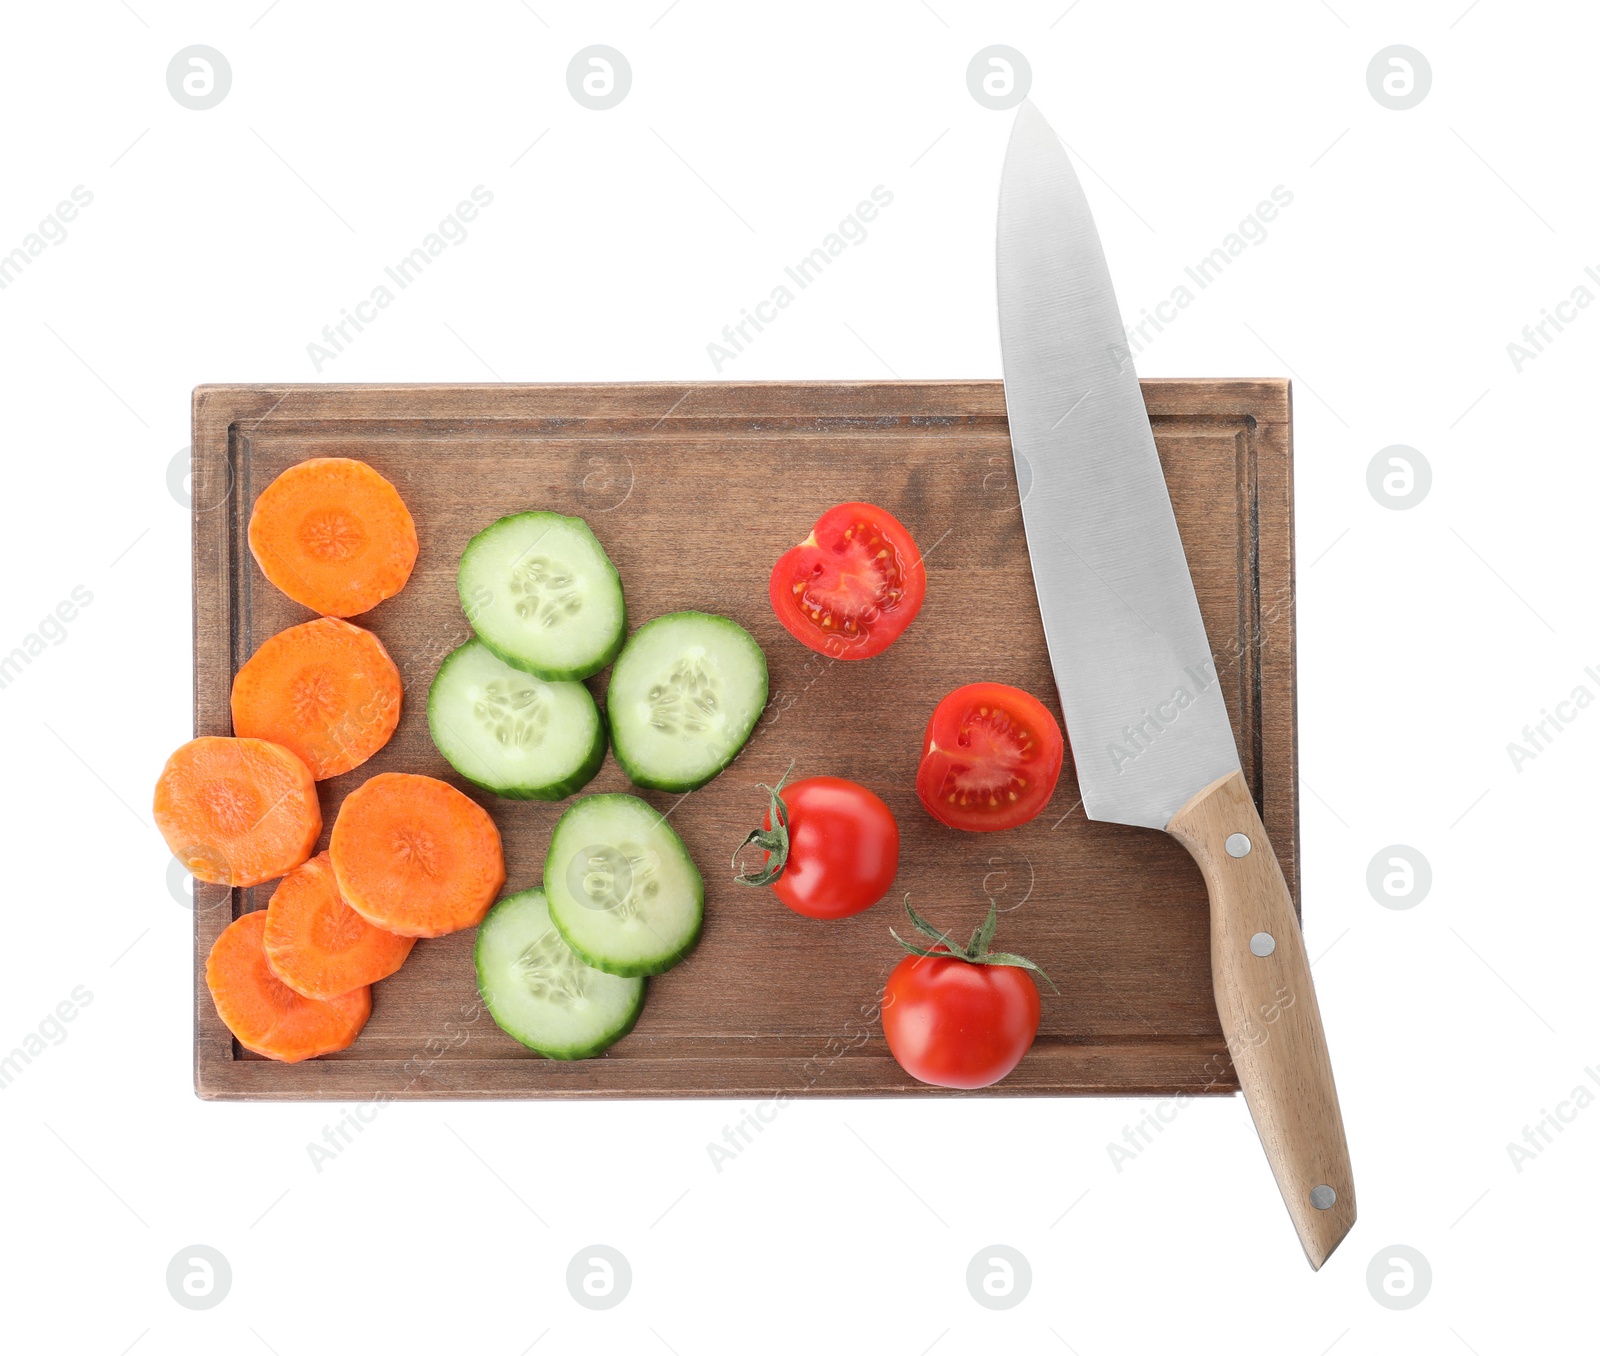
<point>540,992</point>
<point>511,733</point>
<point>684,696</point>
<point>623,891</point>
<point>541,593</point>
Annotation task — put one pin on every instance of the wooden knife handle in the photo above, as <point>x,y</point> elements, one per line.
<point>1269,1011</point>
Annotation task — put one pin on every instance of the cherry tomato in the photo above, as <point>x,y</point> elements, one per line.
<point>832,847</point>
<point>990,758</point>
<point>957,1023</point>
<point>851,587</point>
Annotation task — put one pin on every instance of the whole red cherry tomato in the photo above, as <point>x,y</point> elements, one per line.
<point>960,1017</point>
<point>832,847</point>
<point>990,758</point>
<point>852,586</point>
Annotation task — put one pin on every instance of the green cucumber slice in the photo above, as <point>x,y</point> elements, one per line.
<point>622,888</point>
<point>541,593</point>
<point>540,993</point>
<point>511,733</point>
<point>686,691</point>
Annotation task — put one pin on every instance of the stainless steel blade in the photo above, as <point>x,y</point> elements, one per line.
<point>1133,667</point>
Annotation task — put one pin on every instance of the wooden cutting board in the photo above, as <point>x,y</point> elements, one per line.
<point>695,490</point>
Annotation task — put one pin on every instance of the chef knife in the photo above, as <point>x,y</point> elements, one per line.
<point>1149,731</point>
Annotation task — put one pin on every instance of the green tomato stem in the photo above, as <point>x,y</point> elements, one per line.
<point>975,952</point>
<point>773,841</point>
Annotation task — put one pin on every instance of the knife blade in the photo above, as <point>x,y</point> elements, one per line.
<point>1148,725</point>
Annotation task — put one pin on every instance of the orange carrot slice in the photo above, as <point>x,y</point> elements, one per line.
<point>415,856</point>
<point>326,690</point>
<point>317,944</point>
<point>334,535</point>
<point>265,1014</point>
<point>237,811</point>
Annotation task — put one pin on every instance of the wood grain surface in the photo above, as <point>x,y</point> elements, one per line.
<point>1261,975</point>
<point>694,490</point>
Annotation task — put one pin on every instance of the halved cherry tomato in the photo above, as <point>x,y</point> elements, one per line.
<point>851,587</point>
<point>959,1018</point>
<point>832,847</point>
<point>990,758</point>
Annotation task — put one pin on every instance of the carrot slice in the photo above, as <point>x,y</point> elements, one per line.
<point>326,690</point>
<point>415,856</point>
<point>317,944</point>
<point>237,811</point>
<point>334,535</point>
<point>265,1014</point>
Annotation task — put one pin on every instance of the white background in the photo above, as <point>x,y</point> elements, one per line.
<point>1418,244</point>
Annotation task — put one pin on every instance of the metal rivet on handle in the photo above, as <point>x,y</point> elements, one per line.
<point>1237,845</point>
<point>1263,944</point>
<point>1323,1197</point>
